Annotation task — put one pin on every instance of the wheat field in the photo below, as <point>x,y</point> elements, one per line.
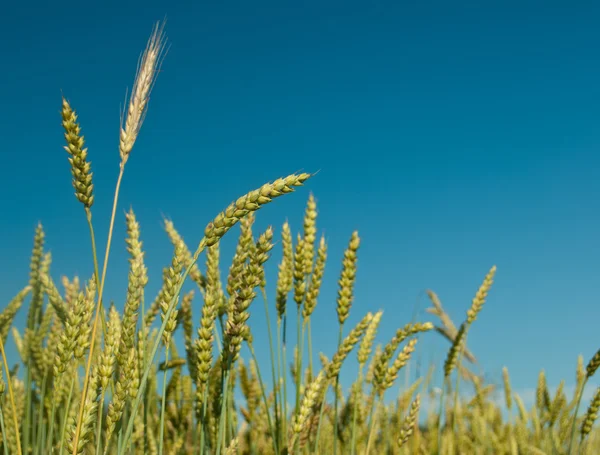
<point>95,378</point>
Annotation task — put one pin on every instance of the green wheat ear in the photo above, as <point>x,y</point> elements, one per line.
<point>409,422</point>
<point>81,169</point>
<point>248,203</point>
<point>347,279</point>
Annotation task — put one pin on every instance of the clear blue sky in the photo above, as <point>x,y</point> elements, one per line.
<point>451,135</point>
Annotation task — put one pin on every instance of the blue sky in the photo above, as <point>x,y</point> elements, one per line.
<point>452,136</point>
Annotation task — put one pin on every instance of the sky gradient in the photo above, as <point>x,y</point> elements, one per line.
<point>452,136</point>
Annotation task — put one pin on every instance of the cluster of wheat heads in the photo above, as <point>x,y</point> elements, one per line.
<point>100,380</point>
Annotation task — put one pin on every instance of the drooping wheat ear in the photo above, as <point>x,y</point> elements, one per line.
<point>481,295</point>
<point>334,367</point>
<point>314,286</point>
<point>285,278</point>
<point>248,203</point>
<point>171,284</point>
<point>366,344</point>
<point>310,232</point>
<point>147,71</point>
<point>507,388</point>
<point>81,169</point>
<point>591,415</point>
<point>409,422</point>
<point>347,278</point>
<point>455,349</point>
<point>176,239</point>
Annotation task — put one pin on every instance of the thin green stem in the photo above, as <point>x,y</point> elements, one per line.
<point>321,412</point>
<point>142,342</point>
<point>223,416</point>
<point>51,430</point>
<point>88,215</point>
<point>27,427</point>
<point>163,405</point>
<point>99,423</point>
<point>359,384</point>
<point>574,425</point>
<point>202,422</point>
<point>230,411</point>
<point>445,385</point>
<point>264,396</point>
<point>335,399</point>
<point>39,439</point>
<point>310,350</point>
<point>4,444</point>
<point>458,366</point>
<point>274,376</point>
<point>66,416</point>
<point>285,376</point>
<point>373,417</point>
<point>279,391</point>
<point>298,360</point>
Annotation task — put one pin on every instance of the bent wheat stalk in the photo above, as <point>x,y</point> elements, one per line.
<point>214,231</point>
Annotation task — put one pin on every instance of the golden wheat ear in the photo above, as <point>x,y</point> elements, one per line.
<point>145,78</point>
